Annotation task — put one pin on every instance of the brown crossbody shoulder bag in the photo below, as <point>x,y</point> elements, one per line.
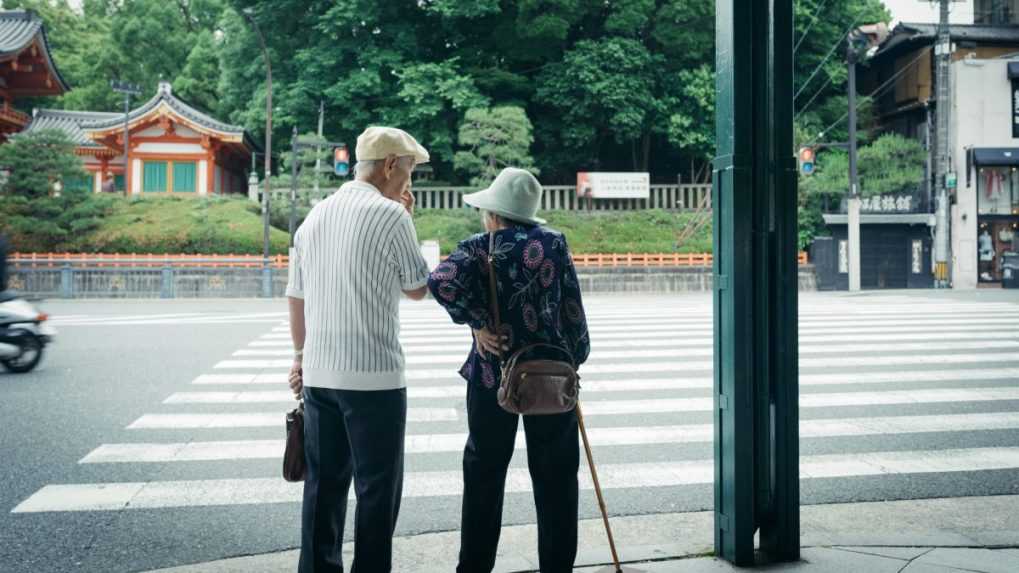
<point>532,387</point>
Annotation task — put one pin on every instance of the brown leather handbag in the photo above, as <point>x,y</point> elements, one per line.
<point>293,454</point>
<point>532,387</point>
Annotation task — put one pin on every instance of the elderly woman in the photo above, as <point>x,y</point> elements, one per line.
<point>539,301</point>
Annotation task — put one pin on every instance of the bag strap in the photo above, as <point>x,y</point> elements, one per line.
<point>512,362</point>
<point>493,297</point>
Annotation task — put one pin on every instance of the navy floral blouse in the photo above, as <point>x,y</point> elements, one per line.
<point>538,292</point>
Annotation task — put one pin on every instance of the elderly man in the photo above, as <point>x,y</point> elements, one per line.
<point>352,257</point>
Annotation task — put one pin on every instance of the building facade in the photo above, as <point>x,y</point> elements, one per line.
<point>983,135</point>
<point>173,148</point>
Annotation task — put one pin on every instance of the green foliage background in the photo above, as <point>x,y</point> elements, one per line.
<point>622,85</point>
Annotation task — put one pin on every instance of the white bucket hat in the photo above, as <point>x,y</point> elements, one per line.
<point>515,194</point>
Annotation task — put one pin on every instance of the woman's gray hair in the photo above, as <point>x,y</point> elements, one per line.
<point>367,167</point>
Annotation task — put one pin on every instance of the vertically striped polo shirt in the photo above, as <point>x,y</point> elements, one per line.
<point>353,255</point>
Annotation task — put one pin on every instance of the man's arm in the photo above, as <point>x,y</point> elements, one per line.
<point>416,294</point>
<point>297,334</point>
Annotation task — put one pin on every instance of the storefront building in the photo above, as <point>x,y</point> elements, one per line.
<point>895,245</point>
<point>173,148</point>
<point>983,131</point>
<point>985,126</point>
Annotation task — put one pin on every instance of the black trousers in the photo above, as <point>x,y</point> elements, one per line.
<point>351,434</point>
<point>553,458</point>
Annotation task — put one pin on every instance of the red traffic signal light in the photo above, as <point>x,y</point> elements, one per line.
<point>806,160</point>
<point>341,161</point>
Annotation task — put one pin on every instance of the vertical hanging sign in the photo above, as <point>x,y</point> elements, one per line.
<point>1015,108</point>
<point>1013,76</point>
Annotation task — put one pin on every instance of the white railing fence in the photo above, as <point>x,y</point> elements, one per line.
<point>561,197</point>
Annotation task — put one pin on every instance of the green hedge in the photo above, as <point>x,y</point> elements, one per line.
<point>220,225</point>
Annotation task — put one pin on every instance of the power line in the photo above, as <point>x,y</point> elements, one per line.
<point>830,52</point>
<point>816,94</point>
<point>817,11</point>
<point>877,91</point>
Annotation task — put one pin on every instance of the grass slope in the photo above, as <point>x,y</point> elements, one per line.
<point>172,225</point>
<point>651,231</point>
<point>220,225</point>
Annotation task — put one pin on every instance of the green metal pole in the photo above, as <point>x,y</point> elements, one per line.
<point>756,276</point>
<point>780,525</point>
<point>733,243</point>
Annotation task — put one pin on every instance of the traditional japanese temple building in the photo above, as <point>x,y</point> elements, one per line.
<point>26,67</point>
<point>174,148</point>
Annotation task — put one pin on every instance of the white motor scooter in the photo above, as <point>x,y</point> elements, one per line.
<point>23,333</point>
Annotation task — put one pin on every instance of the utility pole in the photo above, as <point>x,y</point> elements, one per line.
<point>267,194</point>
<point>318,150</point>
<point>854,187</point>
<point>943,53</point>
<point>128,90</point>
<point>293,185</point>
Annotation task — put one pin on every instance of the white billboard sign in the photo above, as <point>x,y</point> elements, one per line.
<point>600,185</point>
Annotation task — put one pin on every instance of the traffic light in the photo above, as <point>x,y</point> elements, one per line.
<point>341,161</point>
<point>806,158</point>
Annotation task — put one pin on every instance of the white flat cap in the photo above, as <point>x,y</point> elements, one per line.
<point>379,142</point>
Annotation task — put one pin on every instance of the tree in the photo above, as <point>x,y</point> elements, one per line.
<point>602,90</point>
<point>891,165</point>
<point>495,138</point>
<point>36,160</point>
<point>198,82</point>
<point>691,125</point>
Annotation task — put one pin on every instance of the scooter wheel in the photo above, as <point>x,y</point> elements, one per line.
<point>31,355</point>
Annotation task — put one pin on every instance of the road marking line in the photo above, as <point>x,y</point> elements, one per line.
<point>658,405</point>
<point>595,366</point>
<point>705,331</point>
<point>602,437</point>
<point>203,493</point>
<point>650,384</point>
<point>675,349</point>
<point>259,419</point>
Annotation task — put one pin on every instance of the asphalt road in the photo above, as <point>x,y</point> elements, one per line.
<point>904,395</point>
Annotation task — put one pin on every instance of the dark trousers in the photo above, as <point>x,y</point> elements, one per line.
<point>359,435</point>
<point>553,458</point>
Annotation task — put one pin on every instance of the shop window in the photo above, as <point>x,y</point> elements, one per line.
<point>78,183</point>
<point>184,177</point>
<point>996,238</point>
<point>154,177</point>
<point>997,191</point>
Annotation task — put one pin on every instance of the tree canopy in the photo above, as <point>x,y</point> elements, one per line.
<point>619,85</point>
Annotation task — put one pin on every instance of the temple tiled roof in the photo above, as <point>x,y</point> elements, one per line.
<point>165,95</point>
<point>70,122</point>
<point>18,29</point>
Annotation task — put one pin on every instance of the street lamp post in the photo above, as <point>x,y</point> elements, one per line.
<point>268,133</point>
<point>128,90</point>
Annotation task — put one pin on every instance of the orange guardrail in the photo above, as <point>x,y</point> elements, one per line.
<point>652,260</point>
<point>36,260</point>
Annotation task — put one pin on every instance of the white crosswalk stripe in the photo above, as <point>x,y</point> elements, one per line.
<point>197,493</point>
<point>872,369</point>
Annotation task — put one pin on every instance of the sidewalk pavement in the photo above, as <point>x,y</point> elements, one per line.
<point>922,536</point>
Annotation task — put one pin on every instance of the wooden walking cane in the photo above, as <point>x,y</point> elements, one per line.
<point>616,567</point>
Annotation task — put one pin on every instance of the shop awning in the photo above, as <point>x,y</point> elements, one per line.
<point>995,155</point>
